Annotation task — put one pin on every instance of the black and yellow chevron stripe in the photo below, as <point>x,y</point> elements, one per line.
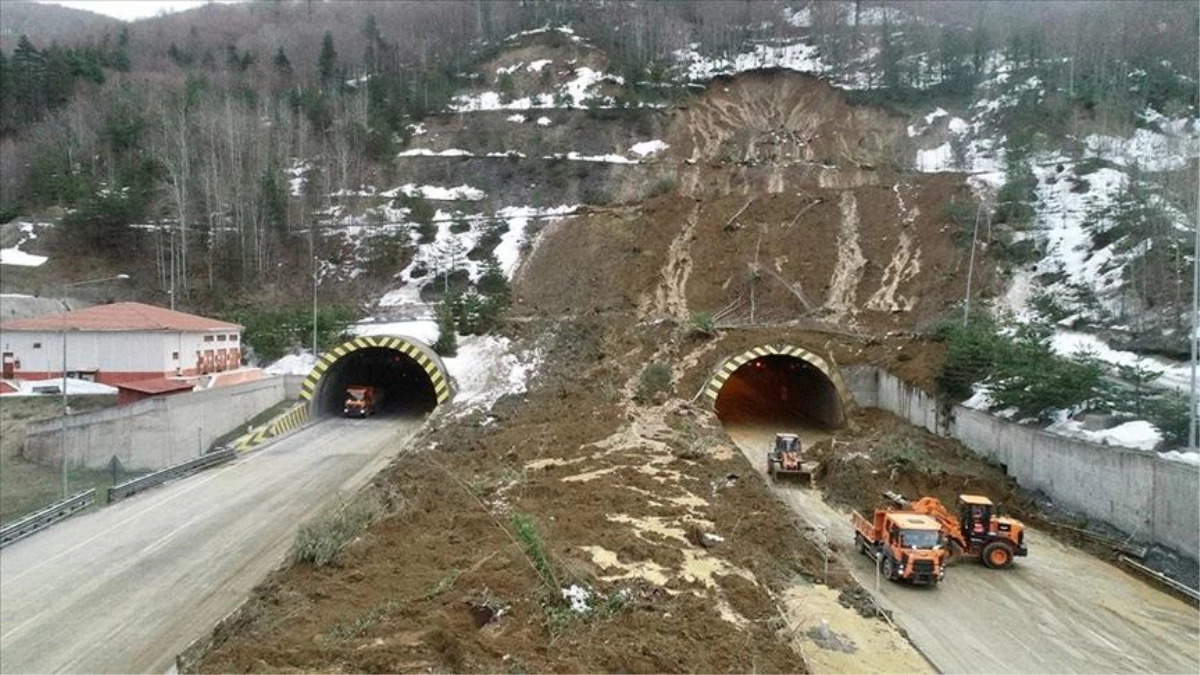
<point>734,362</point>
<point>289,421</point>
<point>441,382</point>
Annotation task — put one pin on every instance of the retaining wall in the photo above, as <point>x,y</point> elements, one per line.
<point>1151,499</point>
<point>154,433</point>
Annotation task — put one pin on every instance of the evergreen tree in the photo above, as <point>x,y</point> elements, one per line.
<point>120,57</point>
<point>447,322</point>
<point>281,64</point>
<point>327,61</point>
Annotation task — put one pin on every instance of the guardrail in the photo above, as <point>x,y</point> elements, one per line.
<point>136,485</point>
<point>1181,589</point>
<point>40,520</point>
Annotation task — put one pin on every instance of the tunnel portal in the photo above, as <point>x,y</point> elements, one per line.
<point>408,375</point>
<point>781,388</point>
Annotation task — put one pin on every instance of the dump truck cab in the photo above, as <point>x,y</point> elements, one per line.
<point>360,401</point>
<point>906,546</point>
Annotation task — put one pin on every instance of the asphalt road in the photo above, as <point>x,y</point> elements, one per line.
<point>1059,610</point>
<point>126,588</point>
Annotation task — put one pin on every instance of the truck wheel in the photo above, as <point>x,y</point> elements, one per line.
<point>773,469</point>
<point>997,555</point>
<point>889,568</point>
<point>860,543</point>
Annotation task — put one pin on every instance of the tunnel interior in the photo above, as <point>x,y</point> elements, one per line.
<point>404,387</point>
<point>783,392</point>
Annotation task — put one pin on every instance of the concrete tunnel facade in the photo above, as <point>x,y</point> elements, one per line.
<point>780,386</point>
<point>410,372</point>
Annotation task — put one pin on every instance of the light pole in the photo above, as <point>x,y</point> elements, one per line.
<point>63,423</point>
<point>314,280</point>
<point>1195,336</point>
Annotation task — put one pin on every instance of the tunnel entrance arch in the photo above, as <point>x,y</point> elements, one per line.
<point>408,371</point>
<point>780,385</point>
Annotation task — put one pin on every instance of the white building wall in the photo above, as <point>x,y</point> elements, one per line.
<point>117,351</point>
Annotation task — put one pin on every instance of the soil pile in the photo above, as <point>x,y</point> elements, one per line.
<point>881,452</point>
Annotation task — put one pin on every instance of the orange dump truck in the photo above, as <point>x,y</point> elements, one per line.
<point>907,546</point>
<point>360,401</point>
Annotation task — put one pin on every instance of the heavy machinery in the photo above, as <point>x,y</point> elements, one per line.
<point>786,458</point>
<point>906,546</point>
<point>361,401</point>
<point>979,531</point>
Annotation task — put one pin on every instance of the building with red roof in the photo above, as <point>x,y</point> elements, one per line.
<point>119,343</point>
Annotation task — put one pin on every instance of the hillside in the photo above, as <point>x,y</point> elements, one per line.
<point>588,207</point>
<point>45,24</point>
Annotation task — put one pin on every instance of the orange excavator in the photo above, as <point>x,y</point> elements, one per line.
<point>978,531</point>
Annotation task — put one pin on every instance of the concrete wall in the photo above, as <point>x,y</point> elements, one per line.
<point>291,385</point>
<point>154,433</point>
<point>1147,497</point>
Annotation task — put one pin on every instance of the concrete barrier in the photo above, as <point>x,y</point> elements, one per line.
<point>1150,499</point>
<point>155,433</point>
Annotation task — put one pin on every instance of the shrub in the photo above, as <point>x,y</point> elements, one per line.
<point>662,186</point>
<point>322,541</point>
<point>535,549</point>
<point>702,323</point>
<point>655,381</point>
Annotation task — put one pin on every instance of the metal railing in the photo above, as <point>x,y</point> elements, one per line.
<point>40,520</point>
<point>136,485</point>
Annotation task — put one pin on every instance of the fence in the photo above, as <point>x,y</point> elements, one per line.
<point>1149,498</point>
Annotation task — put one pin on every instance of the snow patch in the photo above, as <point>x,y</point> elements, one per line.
<point>426,152</point>
<point>421,329</point>
<point>518,118</point>
<point>544,121</point>
<point>648,148</point>
<point>1138,434</point>
<point>19,258</point>
<point>436,193</point>
<point>293,364</point>
<point>937,160</point>
<point>518,217</point>
<point>53,386</point>
<point>486,368</point>
<point>800,57</point>
<point>579,597</point>
<point>1178,456</point>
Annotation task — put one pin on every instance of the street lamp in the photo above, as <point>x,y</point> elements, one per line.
<point>63,423</point>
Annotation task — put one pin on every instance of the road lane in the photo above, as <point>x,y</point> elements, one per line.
<point>126,588</point>
<point>1059,610</point>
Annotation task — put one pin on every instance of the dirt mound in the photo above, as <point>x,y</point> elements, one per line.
<point>882,452</point>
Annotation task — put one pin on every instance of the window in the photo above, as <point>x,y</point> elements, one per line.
<point>175,356</point>
<point>208,338</point>
<point>222,338</point>
<point>37,345</point>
